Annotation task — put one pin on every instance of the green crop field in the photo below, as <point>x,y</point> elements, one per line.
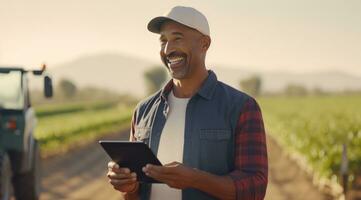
<point>62,125</point>
<point>316,128</point>
<point>57,109</point>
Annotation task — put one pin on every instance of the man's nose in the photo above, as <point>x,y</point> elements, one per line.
<point>168,49</point>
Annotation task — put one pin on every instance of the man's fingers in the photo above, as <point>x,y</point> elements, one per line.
<point>158,169</point>
<point>114,175</point>
<point>115,168</point>
<point>172,164</point>
<point>112,165</point>
<point>122,170</point>
<point>157,173</point>
<point>121,182</point>
<point>127,187</point>
<point>157,176</point>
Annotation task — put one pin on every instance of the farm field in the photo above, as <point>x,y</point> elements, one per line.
<point>60,126</point>
<point>316,129</point>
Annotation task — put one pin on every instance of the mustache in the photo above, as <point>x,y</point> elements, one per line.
<point>174,54</point>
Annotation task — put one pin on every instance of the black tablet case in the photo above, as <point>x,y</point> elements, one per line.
<point>132,155</point>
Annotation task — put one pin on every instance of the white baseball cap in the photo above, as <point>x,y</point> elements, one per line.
<point>187,16</point>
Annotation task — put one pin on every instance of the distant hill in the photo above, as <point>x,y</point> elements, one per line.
<point>125,74</point>
<point>111,71</point>
<point>331,81</point>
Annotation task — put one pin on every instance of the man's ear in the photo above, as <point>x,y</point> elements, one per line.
<point>206,42</point>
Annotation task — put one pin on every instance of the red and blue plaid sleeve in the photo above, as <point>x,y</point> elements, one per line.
<point>250,174</point>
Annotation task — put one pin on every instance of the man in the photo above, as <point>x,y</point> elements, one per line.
<point>209,136</point>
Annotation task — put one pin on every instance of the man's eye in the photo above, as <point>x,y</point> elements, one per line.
<point>177,39</point>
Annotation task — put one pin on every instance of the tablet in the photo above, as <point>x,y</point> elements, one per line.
<point>132,155</point>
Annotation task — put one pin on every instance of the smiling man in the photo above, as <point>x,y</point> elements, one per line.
<point>209,136</point>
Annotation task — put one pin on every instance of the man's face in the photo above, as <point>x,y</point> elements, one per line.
<point>181,49</point>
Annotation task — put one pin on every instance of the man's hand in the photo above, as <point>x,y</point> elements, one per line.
<point>174,174</point>
<point>121,178</point>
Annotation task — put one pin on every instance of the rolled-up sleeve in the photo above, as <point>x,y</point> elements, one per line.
<point>250,173</point>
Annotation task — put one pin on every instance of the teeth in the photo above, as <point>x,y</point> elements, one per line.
<point>175,60</point>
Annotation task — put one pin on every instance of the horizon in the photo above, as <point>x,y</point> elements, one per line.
<point>116,73</point>
<point>252,69</point>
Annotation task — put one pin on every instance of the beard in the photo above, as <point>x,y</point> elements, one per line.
<point>179,70</point>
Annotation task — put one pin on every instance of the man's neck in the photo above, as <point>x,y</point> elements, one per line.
<point>186,88</point>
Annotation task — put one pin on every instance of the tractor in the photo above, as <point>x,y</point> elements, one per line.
<point>19,150</point>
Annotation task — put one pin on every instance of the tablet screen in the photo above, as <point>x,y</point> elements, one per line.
<point>132,155</point>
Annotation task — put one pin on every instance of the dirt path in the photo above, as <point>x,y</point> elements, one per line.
<point>286,180</point>
<point>80,174</point>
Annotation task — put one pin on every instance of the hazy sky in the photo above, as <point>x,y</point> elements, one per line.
<point>293,35</point>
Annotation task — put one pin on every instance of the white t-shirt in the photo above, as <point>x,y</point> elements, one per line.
<point>171,145</point>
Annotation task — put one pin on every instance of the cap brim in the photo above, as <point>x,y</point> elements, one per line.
<point>155,24</point>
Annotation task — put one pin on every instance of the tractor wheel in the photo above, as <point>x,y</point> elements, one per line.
<point>27,185</point>
<point>5,177</point>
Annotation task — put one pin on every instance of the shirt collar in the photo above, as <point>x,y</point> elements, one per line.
<point>206,91</point>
